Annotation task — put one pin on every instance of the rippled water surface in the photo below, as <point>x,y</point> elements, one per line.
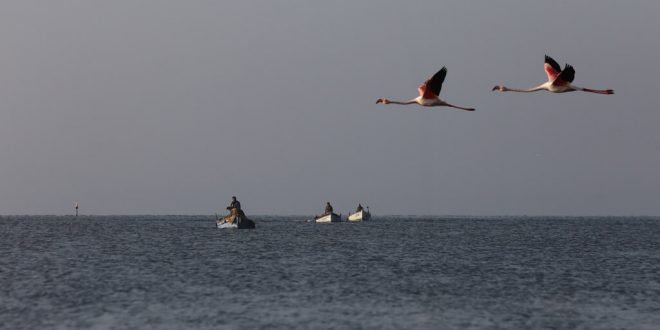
<point>177,272</point>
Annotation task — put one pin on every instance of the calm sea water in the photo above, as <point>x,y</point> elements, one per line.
<point>178,272</point>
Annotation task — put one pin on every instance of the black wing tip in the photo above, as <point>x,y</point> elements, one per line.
<point>569,68</point>
<point>435,82</point>
<point>441,72</point>
<point>550,61</point>
<point>440,75</point>
<point>568,74</point>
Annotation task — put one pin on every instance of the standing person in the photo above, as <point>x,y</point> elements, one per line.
<point>359,208</point>
<point>234,204</point>
<point>328,208</point>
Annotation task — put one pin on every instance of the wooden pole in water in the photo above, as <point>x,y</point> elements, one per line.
<point>76,207</point>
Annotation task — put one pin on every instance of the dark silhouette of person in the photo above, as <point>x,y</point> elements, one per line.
<point>328,208</point>
<point>234,204</point>
<point>359,208</point>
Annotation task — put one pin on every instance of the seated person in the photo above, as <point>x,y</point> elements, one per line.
<point>359,208</point>
<point>234,204</point>
<point>328,209</point>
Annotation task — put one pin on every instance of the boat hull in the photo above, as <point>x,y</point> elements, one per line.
<point>236,219</point>
<point>226,225</point>
<point>359,216</point>
<point>244,223</point>
<point>328,218</point>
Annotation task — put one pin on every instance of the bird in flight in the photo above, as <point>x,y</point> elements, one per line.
<point>559,81</point>
<point>428,93</point>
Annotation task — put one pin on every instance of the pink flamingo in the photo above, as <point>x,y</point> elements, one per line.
<point>559,81</point>
<point>428,93</point>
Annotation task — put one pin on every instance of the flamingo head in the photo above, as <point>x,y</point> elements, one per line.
<point>383,101</point>
<point>500,88</point>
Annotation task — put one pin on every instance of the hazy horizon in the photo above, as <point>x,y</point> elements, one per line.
<point>170,107</point>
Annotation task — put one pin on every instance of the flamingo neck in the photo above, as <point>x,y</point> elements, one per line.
<point>529,90</point>
<point>403,102</point>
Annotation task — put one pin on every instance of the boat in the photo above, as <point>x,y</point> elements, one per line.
<point>327,218</point>
<point>235,219</point>
<point>362,215</point>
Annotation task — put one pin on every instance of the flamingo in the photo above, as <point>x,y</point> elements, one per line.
<point>559,81</point>
<point>428,93</point>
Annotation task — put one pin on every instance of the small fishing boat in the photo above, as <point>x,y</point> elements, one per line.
<point>235,219</point>
<point>362,215</point>
<point>327,218</point>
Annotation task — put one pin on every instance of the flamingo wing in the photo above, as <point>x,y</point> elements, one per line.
<point>552,68</point>
<point>431,88</point>
<point>566,76</point>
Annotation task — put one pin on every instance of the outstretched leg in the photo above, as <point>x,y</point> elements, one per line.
<point>457,107</point>
<point>599,91</point>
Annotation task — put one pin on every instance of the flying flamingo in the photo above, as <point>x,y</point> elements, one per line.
<point>428,93</point>
<point>559,81</point>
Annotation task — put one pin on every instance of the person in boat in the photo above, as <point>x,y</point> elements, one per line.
<point>328,209</point>
<point>235,204</point>
<point>359,208</point>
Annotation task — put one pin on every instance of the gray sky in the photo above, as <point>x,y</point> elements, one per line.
<point>171,107</point>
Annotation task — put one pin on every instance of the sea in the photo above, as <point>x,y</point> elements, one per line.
<point>393,272</point>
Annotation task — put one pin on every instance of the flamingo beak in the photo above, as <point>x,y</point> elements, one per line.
<point>379,101</point>
<point>496,88</point>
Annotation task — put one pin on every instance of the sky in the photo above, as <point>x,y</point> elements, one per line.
<point>172,107</point>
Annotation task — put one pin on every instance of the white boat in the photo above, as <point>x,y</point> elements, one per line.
<point>224,225</point>
<point>332,217</point>
<point>359,216</point>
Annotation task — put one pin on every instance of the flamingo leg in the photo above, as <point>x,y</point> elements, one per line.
<point>599,91</point>
<point>457,107</point>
